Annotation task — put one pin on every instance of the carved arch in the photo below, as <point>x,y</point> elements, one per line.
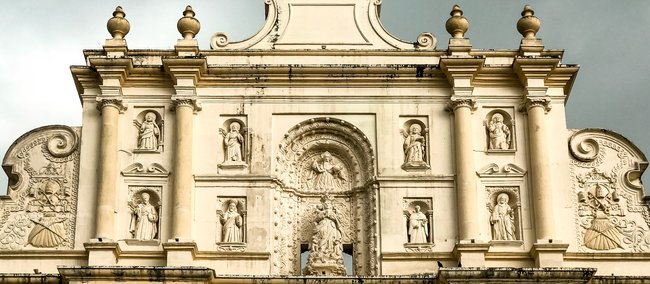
<point>307,139</point>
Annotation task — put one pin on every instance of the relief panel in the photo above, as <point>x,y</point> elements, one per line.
<point>43,168</point>
<point>610,213</point>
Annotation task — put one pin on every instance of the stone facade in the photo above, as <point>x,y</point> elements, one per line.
<point>320,148</point>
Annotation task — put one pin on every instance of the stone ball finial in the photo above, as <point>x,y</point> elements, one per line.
<point>528,25</point>
<point>457,25</point>
<point>118,26</point>
<point>188,26</point>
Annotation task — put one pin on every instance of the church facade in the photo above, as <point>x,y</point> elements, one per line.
<point>324,149</point>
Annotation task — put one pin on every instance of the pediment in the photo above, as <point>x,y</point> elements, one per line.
<point>508,170</point>
<point>138,170</point>
<point>323,25</point>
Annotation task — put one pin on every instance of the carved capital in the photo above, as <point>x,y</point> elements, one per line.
<point>111,102</point>
<point>456,103</point>
<point>186,102</point>
<point>528,103</point>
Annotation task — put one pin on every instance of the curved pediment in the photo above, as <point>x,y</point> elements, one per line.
<point>323,24</point>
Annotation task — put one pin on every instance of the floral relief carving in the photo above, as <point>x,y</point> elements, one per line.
<point>41,211</point>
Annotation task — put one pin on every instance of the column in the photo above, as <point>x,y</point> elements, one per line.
<point>533,72</point>
<point>106,190</point>
<point>465,175</point>
<point>541,180</point>
<point>182,171</point>
<point>460,71</point>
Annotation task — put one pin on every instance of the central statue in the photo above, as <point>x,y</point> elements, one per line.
<point>326,247</point>
<point>328,175</point>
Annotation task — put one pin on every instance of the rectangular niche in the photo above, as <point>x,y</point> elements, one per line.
<point>231,223</point>
<point>499,128</point>
<point>418,220</point>
<point>415,149</point>
<point>504,210</point>
<point>236,146</point>
<point>149,129</point>
<point>145,208</point>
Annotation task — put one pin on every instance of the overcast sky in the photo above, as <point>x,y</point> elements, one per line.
<point>609,39</point>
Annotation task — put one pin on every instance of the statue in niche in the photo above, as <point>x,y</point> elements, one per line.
<point>418,232</point>
<point>234,141</point>
<point>499,133</point>
<point>149,132</point>
<point>328,174</point>
<point>502,219</point>
<point>414,145</point>
<point>144,220</point>
<point>326,247</point>
<point>231,221</point>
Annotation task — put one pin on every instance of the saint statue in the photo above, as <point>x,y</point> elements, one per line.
<point>418,232</point>
<point>144,220</point>
<point>502,219</point>
<point>326,247</point>
<point>231,221</point>
<point>233,141</point>
<point>414,145</point>
<point>149,132</point>
<point>499,133</point>
<point>328,174</point>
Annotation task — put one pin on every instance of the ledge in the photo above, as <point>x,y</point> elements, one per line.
<point>520,275</point>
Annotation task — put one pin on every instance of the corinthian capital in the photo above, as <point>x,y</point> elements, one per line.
<point>186,102</point>
<point>456,103</point>
<point>111,102</point>
<point>531,102</point>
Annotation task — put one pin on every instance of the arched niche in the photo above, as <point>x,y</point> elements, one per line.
<point>499,131</point>
<point>297,200</point>
<point>156,131</point>
<point>306,141</point>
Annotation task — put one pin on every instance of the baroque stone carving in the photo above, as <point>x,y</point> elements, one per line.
<point>231,224</point>
<point>150,136</point>
<point>236,145</point>
<point>499,132</point>
<point>41,209</point>
<point>418,229</point>
<point>419,224</point>
<point>296,201</point>
<point>233,141</point>
<point>144,216</point>
<point>610,212</point>
<point>414,146</point>
<point>508,170</point>
<point>153,170</point>
<point>303,145</point>
<point>326,248</point>
<point>503,206</point>
<point>503,219</point>
<point>327,174</point>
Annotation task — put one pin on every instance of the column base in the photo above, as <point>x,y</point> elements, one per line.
<point>548,253</point>
<point>470,253</point>
<point>180,253</point>
<point>102,252</point>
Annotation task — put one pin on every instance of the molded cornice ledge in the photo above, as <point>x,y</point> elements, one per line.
<point>112,71</point>
<point>185,71</point>
<point>460,71</point>
<point>533,72</point>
